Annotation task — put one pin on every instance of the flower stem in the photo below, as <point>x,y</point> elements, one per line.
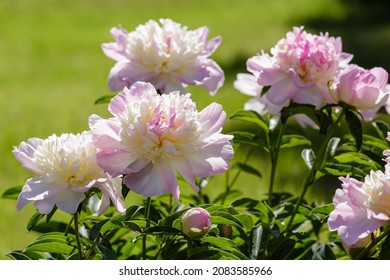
<point>228,184</point>
<point>147,212</point>
<point>77,234</point>
<point>375,241</point>
<point>274,154</point>
<point>189,247</point>
<point>310,178</point>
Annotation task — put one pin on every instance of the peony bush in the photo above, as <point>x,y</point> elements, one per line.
<point>158,142</point>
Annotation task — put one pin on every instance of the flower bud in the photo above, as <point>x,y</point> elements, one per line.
<point>225,230</point>
<point>196,223</point>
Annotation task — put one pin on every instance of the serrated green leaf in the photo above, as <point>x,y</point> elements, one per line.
<point>12,193</point>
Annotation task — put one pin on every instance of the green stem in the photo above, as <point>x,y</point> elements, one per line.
<point>77,234</point>
<point>310,178</point>
<point>229,185</point>
<point>274,154</point>
<point>189,247</point>
<point>373,243</point>
<point>147,212</point>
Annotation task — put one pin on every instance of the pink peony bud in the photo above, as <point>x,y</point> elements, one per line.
<point>196,223</point>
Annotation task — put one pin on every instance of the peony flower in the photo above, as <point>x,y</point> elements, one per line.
<point>196,223</point>
<point>360,208</point>
<point>66,168</point>
<point>152,136</point>
<point>247,84</point>
<point>168,55</point>
<point>299,68</point>
<point>363,89</point>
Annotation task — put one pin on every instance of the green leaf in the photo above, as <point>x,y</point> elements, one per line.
<point>248,138</point>
<point>322,209</point>
<point>245,202</point>
<point>133,226</point>
<point>331,148</point>
<point>337,169</point>
<point>106,252</point>
<point>282,250</point>
<point>322,252</point>
<point>258,239</point>
<point>317,116</point>
<point>355,127</point>
<point>94,233</point>
<point>251,117</point>
<point>308,157</point>
<point>19,255</point>
<point>221,217</point>
<point>50,227</point>
<point>294,140</point>
<point>246,220</point>
<point>51,247</point>
<point>163,229</point>
<point>248,169</point>
<point>34,220</point>
<point>12,193</point>
<point>385,250</point>
<point>210,253</point>
<point>132,212</point>
<point>382,128</point>
<point>354,159</point>
<point>52,243</point>
<point>221,242</point>
<point>105,99</point>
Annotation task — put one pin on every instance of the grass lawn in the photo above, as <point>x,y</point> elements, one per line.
<point>52,69</point>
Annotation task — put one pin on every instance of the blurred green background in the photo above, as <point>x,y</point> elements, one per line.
<point>52,68</point>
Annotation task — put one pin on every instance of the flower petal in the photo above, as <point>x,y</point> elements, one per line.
<point>25,154</point>
<point>155,179</point>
